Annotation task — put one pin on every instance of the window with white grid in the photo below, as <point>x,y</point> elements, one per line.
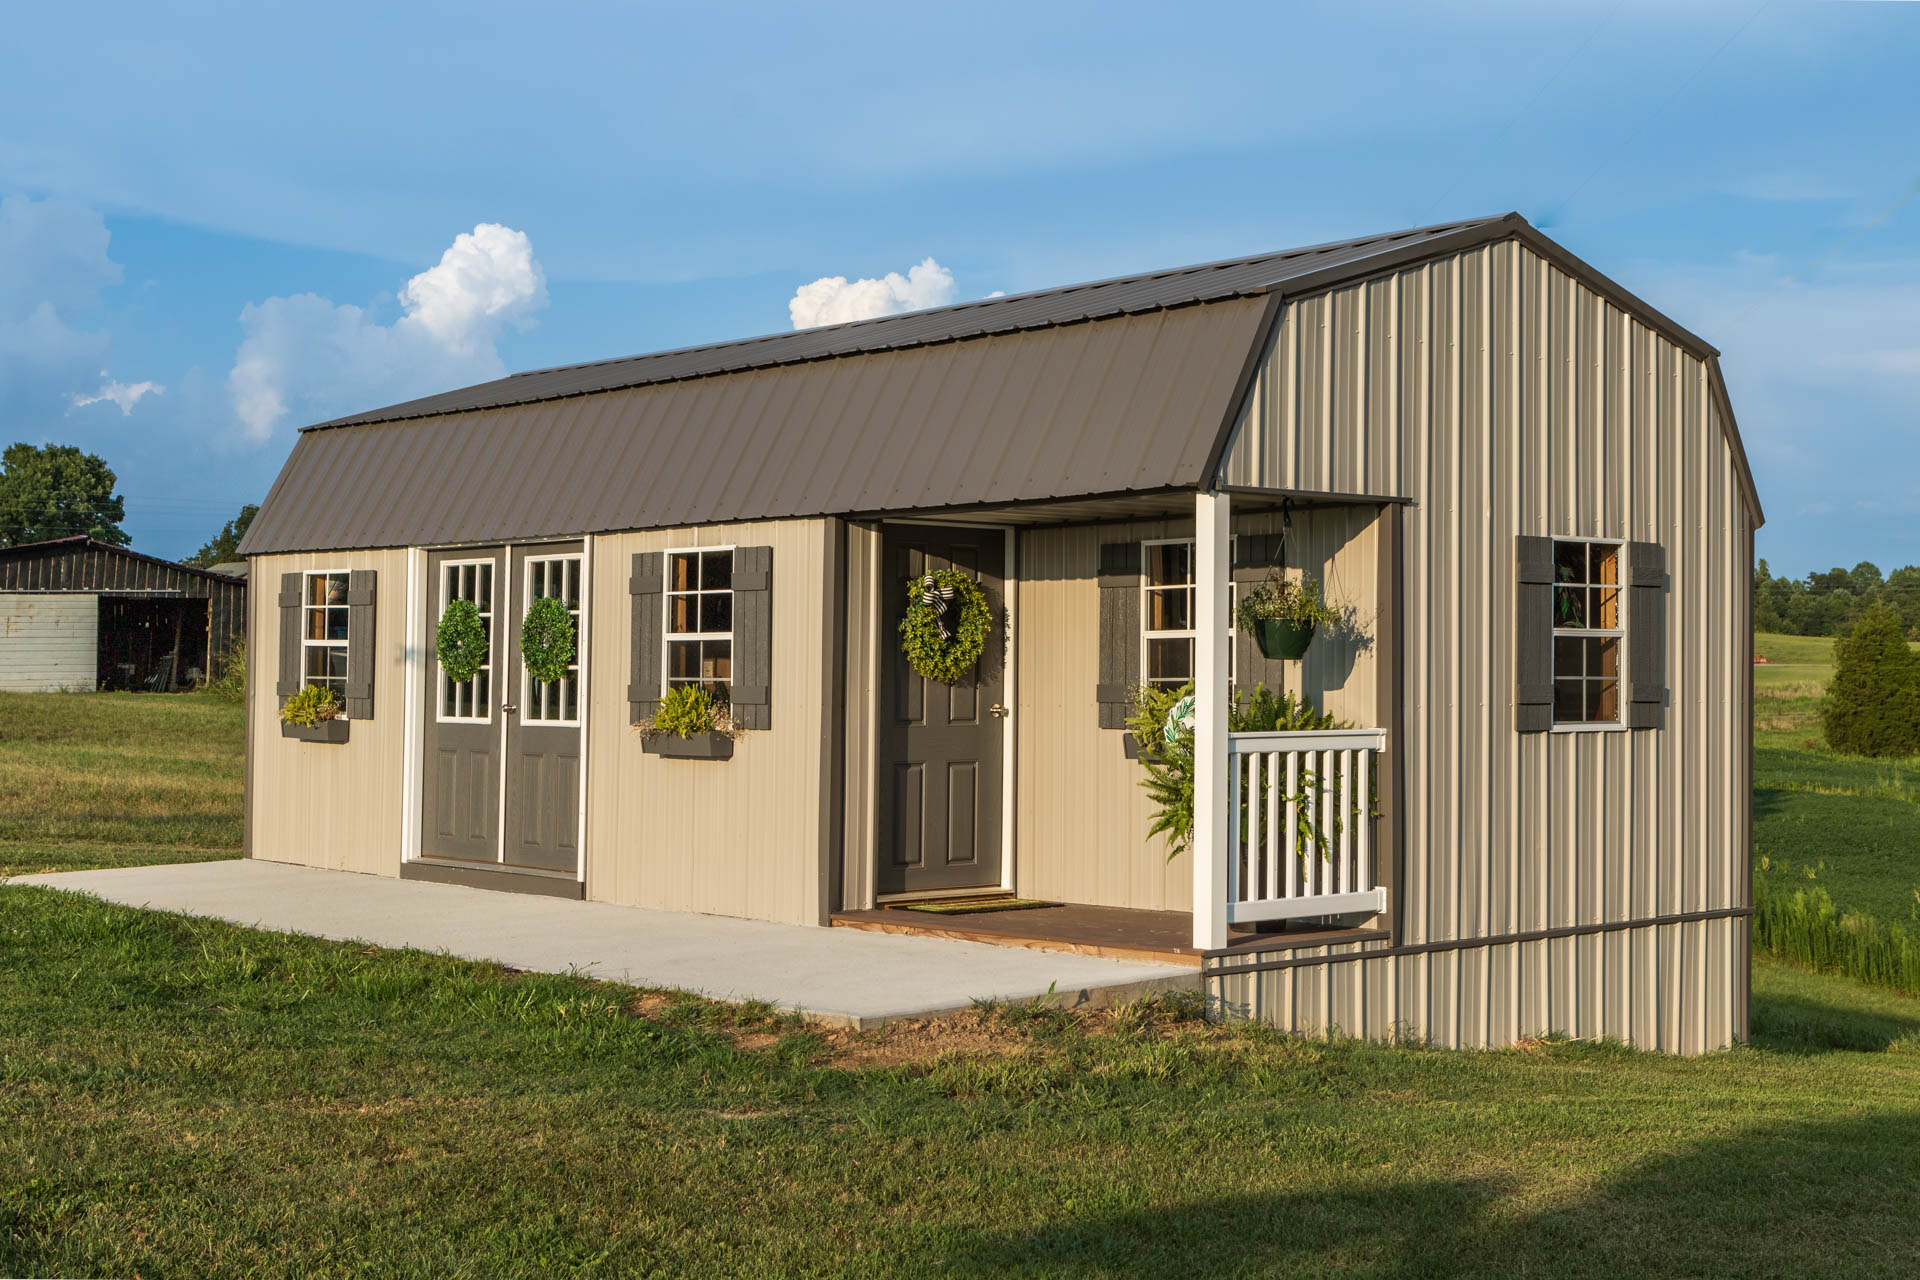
<point>1167,613</point>
<point>1586,632</point>
<point>323,632</point>
<point>699,620</point>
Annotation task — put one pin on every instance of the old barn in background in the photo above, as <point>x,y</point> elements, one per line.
<point>80,614</point>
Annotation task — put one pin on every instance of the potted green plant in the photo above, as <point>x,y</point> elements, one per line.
<point>313,715</point>
<point>1282,614</point>
<point>691,724</point>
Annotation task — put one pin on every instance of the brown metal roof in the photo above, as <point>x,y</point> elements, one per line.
<point>1115,388</point>
<point>1046,308</point>
<point>1129,404</point>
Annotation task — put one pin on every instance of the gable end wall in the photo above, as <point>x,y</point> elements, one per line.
<point>1503,396</point>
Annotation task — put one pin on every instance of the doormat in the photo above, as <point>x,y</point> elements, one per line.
<point>972,906</point>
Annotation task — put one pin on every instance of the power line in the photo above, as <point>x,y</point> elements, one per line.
<point>1662,115</point>
<point>1439,209</point>
<point>1809,269</point>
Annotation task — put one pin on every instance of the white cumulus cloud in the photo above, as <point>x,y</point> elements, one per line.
<point>124,394</point>
<point>310,354</point>
<point>53,265</point>
<point>837,300</point>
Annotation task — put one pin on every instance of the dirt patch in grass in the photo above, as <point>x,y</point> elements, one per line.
<point>917,1042</point>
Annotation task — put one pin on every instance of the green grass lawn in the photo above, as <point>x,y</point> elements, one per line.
<point>1854,823</point>
<point>118,779</point>
<point>187,1098</point>
<point>183,1097</point>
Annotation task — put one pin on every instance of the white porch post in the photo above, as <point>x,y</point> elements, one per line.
<point>1212,521</point>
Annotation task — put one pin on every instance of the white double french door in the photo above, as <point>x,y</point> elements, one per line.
<point>502,750</point>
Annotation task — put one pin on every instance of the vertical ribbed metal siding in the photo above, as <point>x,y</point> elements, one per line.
<point>1081,814</point>
<point>339,807</point>
<point>1530,404</point>
<point>742,838</point>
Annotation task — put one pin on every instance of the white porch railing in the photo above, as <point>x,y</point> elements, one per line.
<point>1300,824</point>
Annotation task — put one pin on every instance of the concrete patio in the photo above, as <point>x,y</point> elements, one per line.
<point>841,977</point>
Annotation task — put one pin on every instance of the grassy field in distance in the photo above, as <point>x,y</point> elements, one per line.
<point>118,779</point>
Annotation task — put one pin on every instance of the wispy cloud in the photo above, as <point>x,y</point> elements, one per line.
<point>124,394</point>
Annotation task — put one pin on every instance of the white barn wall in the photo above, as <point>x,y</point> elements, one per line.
<point>1504,396</point>
<point>49,642</point>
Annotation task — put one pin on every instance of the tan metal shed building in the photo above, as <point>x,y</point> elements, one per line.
<point>1527,482</point>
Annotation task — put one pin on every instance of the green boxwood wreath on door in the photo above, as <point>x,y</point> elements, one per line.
<point>936,644</point>
<point>461,641</point>
<point>547,640</point>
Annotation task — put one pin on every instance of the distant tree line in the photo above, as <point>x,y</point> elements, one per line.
<point>1831,603</point>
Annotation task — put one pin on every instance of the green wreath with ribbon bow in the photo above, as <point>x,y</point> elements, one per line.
<point>547,640</point>
<point>946,625</point>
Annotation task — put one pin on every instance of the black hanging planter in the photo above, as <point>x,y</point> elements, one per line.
<point>1279,638</point>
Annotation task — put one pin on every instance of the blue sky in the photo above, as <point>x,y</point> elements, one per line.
<point>258,210</point>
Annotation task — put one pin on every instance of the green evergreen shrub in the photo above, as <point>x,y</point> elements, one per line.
<point>1873,704</point>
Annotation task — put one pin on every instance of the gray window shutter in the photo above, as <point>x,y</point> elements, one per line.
<point>1255,556</point>
<point>363,642</point>
<point>643,690</point>
<point>1119,632</point>
<point>1646,633</point>
<point>1533,641</point>
<point>752,637</point>
<point>291,676</point>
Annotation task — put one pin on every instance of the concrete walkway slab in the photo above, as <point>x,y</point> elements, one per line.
<point>844,977</point>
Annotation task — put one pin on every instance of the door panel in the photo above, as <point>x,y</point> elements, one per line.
<point>941,748</point>
<point>543,729</point>
<point>462,798</point>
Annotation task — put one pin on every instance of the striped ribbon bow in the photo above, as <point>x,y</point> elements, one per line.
<point>936,598</point>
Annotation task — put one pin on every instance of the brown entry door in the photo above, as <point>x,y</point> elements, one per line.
<point>941,746</point>
<point>542,822</point>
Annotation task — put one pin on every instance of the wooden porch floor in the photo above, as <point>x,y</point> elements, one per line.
<point>1118,933</point>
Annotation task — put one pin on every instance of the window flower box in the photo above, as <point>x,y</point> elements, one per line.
<point>711,745</point>
<point>334,730</point>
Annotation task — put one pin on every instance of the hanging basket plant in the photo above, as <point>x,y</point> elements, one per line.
<point>547,640</point>
<point>946,626</point>
<point>461,641</point>
<point>1283,613</point>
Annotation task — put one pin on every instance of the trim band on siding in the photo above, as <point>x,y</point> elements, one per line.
<point>1469,944</point>
<point>1319,495</point>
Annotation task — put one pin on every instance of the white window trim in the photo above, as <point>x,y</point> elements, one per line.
<point>1619,632</point>
<point>344,646</point>
<point>493,692</point>
<point>1193,586</point>
<point>668,636</point>
<point>578,664</point>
